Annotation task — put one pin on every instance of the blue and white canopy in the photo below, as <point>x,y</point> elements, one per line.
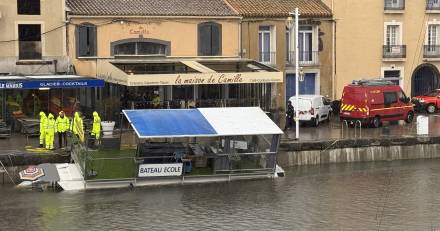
<point>201,122</point>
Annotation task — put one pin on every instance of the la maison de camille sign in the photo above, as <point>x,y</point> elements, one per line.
<point>194,78</point>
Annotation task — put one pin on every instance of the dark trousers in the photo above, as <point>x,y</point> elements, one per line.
<point>289,122</point>
<point>62,139</point>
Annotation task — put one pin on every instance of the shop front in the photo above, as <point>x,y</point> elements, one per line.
<point>189,83</point>
<point>25,96</point>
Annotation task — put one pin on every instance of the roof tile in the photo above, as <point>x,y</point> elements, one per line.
<point>280,8</point>
<point>150,8</point>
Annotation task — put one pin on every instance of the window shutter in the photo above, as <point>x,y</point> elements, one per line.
<point>216,39</point>
<point>204,40</point>
<point>82,41</point>
<point>92,40</point>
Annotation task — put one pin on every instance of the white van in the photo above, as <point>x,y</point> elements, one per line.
<point>312,108</point>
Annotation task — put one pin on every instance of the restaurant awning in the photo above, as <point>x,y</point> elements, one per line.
<point>48,82</point>
<point>175,71</point>
<point>201,122</point>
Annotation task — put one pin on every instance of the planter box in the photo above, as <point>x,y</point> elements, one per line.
<point>108,127</point>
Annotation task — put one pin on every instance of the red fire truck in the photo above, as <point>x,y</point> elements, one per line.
<point>374,101</point>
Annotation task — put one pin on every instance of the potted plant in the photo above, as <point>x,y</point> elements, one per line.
<point>109,105</point>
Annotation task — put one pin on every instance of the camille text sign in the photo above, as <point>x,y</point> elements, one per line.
<point>151,170</point>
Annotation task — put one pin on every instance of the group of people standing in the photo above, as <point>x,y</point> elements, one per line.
<point>63,125</point>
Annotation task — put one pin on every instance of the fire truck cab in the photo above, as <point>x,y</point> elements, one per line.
<point>374,101</point>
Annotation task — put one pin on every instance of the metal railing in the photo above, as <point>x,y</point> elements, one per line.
<point>394,4</point>
<point>431,51</point>
<point>394,51</point>
<point>306,58</point>
<point>432,5</point>
<point>268,58</point>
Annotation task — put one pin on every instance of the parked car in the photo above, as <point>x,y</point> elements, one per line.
<point>429,102</point>
<point>374,101</point>
<point>312,108</point>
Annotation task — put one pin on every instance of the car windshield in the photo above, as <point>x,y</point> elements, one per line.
<point>433,93</point>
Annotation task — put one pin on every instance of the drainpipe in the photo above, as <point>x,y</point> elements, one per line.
<point>240,36</point>
<point>333,52</point>
<point>55,66</point>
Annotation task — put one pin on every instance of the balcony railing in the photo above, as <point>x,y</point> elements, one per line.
<point>394,51</point>
<point>29,50</point>
<point>268,57</point>
<point>431,51</point>
<point>306,58</point>
<point>394,5</point>
<point>432,5</point>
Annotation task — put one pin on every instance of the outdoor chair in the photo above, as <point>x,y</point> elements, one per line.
<point>5,130</point>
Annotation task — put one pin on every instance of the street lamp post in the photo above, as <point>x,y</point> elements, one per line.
<point>297,73</point>
<point>289,25</point>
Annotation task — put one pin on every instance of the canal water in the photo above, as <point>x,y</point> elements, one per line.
<point>401,195</point>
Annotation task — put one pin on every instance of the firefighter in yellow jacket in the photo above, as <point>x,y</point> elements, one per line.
<point>43,121</point>
<point>77,126</point>
<point>50,131</point>
<point>96,128</point>
<point>63,125</point>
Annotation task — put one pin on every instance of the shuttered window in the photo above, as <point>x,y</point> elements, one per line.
<point>28,7</point>
<point>86,40</point>
<point>209,39</point>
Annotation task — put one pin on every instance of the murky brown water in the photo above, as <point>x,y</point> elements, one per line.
<point>374,196</point>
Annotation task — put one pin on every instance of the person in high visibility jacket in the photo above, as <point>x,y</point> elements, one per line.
<point>43,121</point>
<point>63,124</point>
<point>50,131</point>
<point>77,126</point>
<point>96,128</point>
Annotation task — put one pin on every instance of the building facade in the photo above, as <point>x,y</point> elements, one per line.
<point>33,37</point>
<point>35,71</point>
<point>165,54</point>
<point>267,35</point>
<point>396,40</point>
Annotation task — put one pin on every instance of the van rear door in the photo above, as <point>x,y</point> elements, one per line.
<point>354,97</point>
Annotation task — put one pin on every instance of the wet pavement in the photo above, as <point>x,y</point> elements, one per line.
<point>332,130</point>
<point>335,130</point>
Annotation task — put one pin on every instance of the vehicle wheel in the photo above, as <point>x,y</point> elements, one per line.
<point>409,117</point>
<point>431,108</point>
<point>316,122</point>
<point>376,122</point>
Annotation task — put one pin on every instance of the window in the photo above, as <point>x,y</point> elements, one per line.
<point>288,45</point>
<point>392,35</point>
<point>389,98</point>
<point>29,37</point>
<point>264,36</point>
<point>392,75</point>
<point>28,7</point>
<point>139,48</point>
<point>433,38</point>
<point>86,40</point>
<point>209,39</point>
<point>305,43</point>
<point>433,4</point>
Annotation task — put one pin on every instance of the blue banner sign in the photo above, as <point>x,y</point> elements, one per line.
<point>37,84</point>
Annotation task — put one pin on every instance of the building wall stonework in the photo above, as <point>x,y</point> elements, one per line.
<point>360,37</point>
<point>53,39</point>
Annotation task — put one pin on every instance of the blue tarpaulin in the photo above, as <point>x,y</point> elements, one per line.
<point>169,123</point>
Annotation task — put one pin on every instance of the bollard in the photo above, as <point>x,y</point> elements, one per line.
<point>422,125</point>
